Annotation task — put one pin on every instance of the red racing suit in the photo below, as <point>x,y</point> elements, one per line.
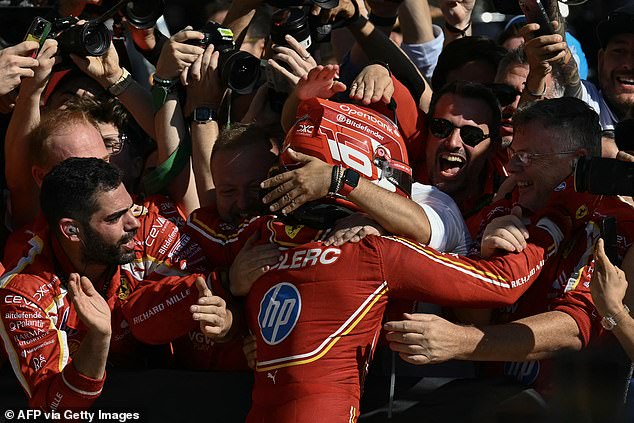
<point>316,315</point>
<point>41,331</point>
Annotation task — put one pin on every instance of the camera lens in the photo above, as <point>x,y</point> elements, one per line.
<point>143,14</point>
<point>290,21</point>
<point>90,39</point>
<point>39,29</point>
<point>96,40</point>
<point>239,70</point>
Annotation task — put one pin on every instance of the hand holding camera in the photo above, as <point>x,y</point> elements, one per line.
<point>177,56</point>
<point>46,58</point>
<point>103,69</point>
<point>292,61</point>
<point>16,63</point>
<point>204,83</point>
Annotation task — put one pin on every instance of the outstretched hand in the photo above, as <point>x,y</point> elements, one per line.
<point>320,82</point>
<point>91,307</point>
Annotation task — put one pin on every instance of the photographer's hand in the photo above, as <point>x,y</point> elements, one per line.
<point>15,64</point>
<point>177,57</point>
<point>103,69</point>
<point>204,83</point>
<point>297,58</point>
<point>42,72</point>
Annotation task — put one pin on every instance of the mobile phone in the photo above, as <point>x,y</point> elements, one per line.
<point>608,233</point>
<point>535,13</point>
<point>38,31</point>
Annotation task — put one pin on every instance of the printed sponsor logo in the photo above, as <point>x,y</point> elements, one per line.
<point>525,372</point>
<point>13,326</point>
<point>38,362</point>
<point>18,299</point>
<point>200,338</point>
<point>168,242</point>
<point>124,289</point>
<point>32,350</point>
<point>174,299</point>
<point>279,312</point>
<point>159,223</point>
<point>292,231</point>
<point>23,315</point>
<point>41,292</point>
<point>304,258</point>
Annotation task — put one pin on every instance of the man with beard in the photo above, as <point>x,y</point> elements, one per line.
<point>615,99</point>
<point>79,283</point>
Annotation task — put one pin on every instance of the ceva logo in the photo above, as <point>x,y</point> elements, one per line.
<point>279,311</point>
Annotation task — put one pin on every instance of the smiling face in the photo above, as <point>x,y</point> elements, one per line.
<point>616,72</point>
<point>453,166</point>
<point>537,180</point>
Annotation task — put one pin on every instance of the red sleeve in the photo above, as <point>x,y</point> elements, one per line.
<point>158,311</point>
<point>39,355</point>
<point>414,271</point>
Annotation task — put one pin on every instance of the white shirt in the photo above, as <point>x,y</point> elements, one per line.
<point>593,97</point>
<point>449,232</point>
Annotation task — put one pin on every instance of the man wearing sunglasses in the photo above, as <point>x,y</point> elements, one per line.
<point>463,135</point>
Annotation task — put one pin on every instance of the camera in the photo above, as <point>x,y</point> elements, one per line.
<point>141,14</point>
<point>90,39</point>
<point>238,69</point>
<point>603,176</point>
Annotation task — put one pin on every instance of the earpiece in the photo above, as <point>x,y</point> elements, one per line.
<point>73,230</point>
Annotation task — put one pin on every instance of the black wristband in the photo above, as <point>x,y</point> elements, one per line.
<point>334,180</point>
<point>382,20</point>
<point>455,30</point>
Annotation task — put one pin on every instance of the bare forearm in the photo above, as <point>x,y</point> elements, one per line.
<point>533,338</point>
<point>204,137</point>
<point>138,101</point>
<point>415,19</point>
<point>397,214</point>
<point>90,359</point>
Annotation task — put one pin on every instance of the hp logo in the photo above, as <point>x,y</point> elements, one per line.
<point>279,311</point>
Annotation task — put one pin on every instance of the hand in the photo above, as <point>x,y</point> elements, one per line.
<point>103,69</point>
<point>342,12</point>
<point>250,349</point>
<point>250,263</point>
<point>320,82</point>
<point>425,338</point>
<point>91,307</point>
<point>291,189</point>
<point>177,57</point>
<point>506,233</point>
<point>16,63</point>
<point>42,72</point>
<point>542,52</point>
<point>211,311</point>
<point>457,13</point>
<point>204,87</point>
<point>372,84</point>
<point>353,229</point>
<point>297,59</point>
<point>608,284</point>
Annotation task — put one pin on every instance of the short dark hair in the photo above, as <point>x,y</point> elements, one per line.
<point>241,135</point>
<point>70,189</point>
<point>476,91</point>
<point>576,123</point>
<point>464,50</point>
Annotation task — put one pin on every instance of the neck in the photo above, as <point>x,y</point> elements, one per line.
<point>93,271</point>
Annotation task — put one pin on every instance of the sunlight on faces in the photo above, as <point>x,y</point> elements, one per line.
<point>616,71</point>
<point>237,175</point>
<point>453,166</point>
<point>109,234</point>
<point>536,181</point>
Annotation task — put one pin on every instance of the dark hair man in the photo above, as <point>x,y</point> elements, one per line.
<point>80,283</point>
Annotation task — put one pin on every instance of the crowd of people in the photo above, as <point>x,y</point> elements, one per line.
<point>314,191</point>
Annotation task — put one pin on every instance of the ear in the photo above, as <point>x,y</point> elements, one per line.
<point>69,229</point>
<point>38,175</point>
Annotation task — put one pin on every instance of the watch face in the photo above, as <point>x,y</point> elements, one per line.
<point>607,323</point>
<point>202,114</point>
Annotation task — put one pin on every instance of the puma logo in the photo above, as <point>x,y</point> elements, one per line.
<point>272,376</point>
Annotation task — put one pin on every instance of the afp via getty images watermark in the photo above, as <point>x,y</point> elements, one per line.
<point>91,416</point>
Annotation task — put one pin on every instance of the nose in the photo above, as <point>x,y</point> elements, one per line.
<point>131,223</point>
<point>244,202</point>
<point>453,141</point>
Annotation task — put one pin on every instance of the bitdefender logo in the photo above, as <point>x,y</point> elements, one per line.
<point>279,312</point>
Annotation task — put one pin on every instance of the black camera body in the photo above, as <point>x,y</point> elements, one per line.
<point>90,39</point>
<point>238,69</point>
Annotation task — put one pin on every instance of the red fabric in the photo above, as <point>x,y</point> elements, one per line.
<point>40,329</point>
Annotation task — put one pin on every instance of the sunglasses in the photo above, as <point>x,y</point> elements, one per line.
<point>526,159</point>
<point>470,135</point>
<point>504,93</point>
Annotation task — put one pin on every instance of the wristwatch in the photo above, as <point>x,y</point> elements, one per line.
<point>610,322</point>
<point>350,182</point>
<point>122,83</point>
<point>161,88</point>
<point>204,114</point>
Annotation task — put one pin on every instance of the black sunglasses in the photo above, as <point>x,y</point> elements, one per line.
<point>504,93</point>
<point>470,135</point>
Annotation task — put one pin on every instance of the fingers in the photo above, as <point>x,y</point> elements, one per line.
<point>203,289</point>
<point>601,258</point>
<point>292,77</point>
<point>87,287</point>
<point>276,181</point>
<point>187,34</point>
<point>73,286</point>
<point>303,53</point>
<point>281,192</point>
<point>624,156</point>
<point>195,68</point>
<point>23,48</point>
<point>417,359</point>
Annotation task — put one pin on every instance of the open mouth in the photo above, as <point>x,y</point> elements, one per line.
<point>524,184</point>
<point>627,81</point>
<point>450,165</point>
